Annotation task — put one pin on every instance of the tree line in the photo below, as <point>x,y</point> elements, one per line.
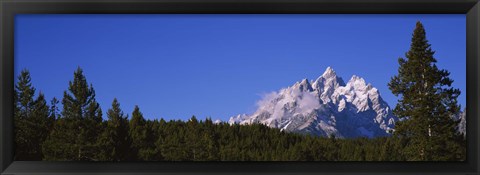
<point>78,132</point>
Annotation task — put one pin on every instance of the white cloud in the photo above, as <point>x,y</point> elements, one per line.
<point>274,102</point>
<point>308,102</point>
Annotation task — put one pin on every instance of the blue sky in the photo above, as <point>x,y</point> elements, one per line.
<point>176,66</point>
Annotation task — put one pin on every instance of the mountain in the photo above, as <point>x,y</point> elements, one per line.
<point>462,125</point>
<point>327,106</point>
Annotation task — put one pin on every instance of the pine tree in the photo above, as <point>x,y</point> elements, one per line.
<point>41,123</point>
<point>142,136</point>
<point>159,134</point>
<point>150,152</point>
<point>137,132</point>
<point>24,105</point>
<point>115,140</point>
<point>54,112</point>
<point>75,134</point>
<point>193,139</point>
<point>210,140</point>
<point>173,146</point>
<point>427,102</point>
<point>32,120</point>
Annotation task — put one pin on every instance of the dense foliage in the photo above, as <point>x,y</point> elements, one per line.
<point>78,132</point>
<point>426,105</point>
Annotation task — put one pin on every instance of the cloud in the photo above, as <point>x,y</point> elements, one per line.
<point>267,99</point>
<point>308,102</point>
<point>274,102</point>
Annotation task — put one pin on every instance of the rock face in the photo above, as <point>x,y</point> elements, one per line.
<point>327,106</point>
<point>463,120</point>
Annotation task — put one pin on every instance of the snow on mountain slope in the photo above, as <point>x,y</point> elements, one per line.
<point>463,120</point>
<point>326,107</point>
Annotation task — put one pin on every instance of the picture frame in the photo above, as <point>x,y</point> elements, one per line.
<point>10,8</point>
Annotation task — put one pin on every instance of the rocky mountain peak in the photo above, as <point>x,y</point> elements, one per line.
<point>303,86</point>
<point>329,73</point>
<point>327,106</point>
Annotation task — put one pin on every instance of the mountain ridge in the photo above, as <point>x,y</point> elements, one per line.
<point>327,106</point>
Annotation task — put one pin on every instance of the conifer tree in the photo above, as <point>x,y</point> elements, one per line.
<point>173,147</point>
<point>75,134</point>
<point>151,152</point>
<point>54,112</point>
<point>210,140</point>
<point>426,105</point>
<point>142,136</point>
<point>115,140</point>
<point>193,140</point>
<point>17,126</point>
<point>137,131</point>
<point>40,123</point>
<point>32,120</point>
<point>24,105</point>
<point>159,135</point>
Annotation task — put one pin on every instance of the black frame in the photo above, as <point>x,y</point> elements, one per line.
<point>8,9</point>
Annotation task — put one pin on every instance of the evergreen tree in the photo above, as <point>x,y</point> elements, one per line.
<point>32,120</point>
<point>192,139</point>
<point>332,148</point>
<point>41,123</point>
<point>54,112</point>
<point>172,146</point>
<point>151,152</point>
<point>210,140</point>
<point>427,103</point>
<point>75,134</point>
<point>24,106</point>
<point>159,134</point>
<point>115,141</point>
<point>142,137</point>
<point>137,132</point>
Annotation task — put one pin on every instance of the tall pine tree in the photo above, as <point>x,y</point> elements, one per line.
<point>24,105</point>
<point>32,119</point>
<point>426,105</point>
<point>115,141</point>
<point>54,112</point>
<point>142,137</point>
<point>41,123</point>
<point>24,92</point>
<point>75,133</point>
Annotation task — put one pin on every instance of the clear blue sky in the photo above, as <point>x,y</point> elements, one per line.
<point>176,66</point>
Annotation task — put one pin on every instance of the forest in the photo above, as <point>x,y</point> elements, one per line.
<point>79,131</point>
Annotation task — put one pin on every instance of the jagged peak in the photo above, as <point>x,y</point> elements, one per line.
<point>237,119</point>
<point>329,72</point>
<point>355,77</point>
<point>304,85</point>
<point>374,89</point>
<point>305,81</point>
<point>328,77</point>
<point>357,80</point>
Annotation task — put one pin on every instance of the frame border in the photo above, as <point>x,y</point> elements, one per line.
<point>9,8</point>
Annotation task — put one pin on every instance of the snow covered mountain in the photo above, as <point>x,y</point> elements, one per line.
<point>462,125</point>
<point>324,107</point>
